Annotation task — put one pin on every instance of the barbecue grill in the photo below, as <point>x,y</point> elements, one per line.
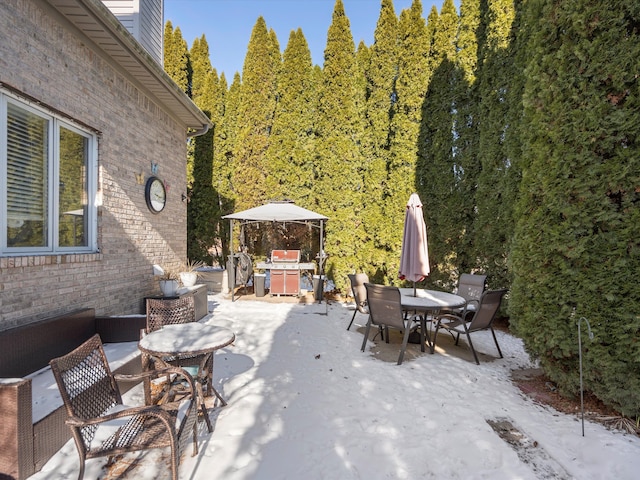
<point>285,269</point>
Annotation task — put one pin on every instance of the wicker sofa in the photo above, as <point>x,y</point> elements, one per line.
<point>32,417</point>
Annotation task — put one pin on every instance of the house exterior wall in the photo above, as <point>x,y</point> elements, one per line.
<point>44,58</point>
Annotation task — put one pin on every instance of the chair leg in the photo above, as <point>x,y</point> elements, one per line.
<point>423,332</point>
<point>174,460</point>
<point>366,335</point>
<point>352,319</point>
<point>435,336</point>
<point>81,474</point>
<point>195,439</point>
<point>203,407</point>
<point>496,340</point>
<point>473,350</point>
<point>405,340</point>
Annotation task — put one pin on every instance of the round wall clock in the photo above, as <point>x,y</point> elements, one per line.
<point>155,194</point>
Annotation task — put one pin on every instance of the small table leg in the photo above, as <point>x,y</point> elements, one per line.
<point>210,388</point>
<point>203,407</point>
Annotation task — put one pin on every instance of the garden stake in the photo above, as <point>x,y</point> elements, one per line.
<point>580,357</point>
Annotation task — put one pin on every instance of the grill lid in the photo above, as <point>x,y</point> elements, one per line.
<point>285,256</point>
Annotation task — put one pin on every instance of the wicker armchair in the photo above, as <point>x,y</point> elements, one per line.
<point>169,311</point>
<point>102,426</point>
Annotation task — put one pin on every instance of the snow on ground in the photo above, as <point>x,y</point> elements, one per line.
<point>306,403</point>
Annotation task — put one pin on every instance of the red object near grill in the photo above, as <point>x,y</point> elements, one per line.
<point>282,256</point>
<point>285,272</point>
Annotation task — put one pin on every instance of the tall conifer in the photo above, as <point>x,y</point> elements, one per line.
<point>381,98</point>
<point>290,151</point>
<point>202,203</point>
<point>339,184</point>
<point>176,57</point>
<point>576,239</point>
<point>411,85</point>
<point>255,118</point>
<point>436,177</point>
<point>224,161</point>
<point>494,225</point>
<point>466,121</point>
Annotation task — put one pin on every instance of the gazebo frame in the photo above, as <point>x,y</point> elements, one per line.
<point>282,212</point>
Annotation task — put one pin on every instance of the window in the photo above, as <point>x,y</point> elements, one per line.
<point>48,199</point>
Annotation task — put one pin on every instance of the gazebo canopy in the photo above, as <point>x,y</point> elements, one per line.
<point>276,212</point>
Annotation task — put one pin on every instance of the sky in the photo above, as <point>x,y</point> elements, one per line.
<point>305,403</point>
<point>227,24</point>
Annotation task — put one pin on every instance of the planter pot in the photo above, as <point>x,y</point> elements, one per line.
<point>188,279</point>
<point>169,287</point>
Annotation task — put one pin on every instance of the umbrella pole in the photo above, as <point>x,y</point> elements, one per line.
<point>230,262</point>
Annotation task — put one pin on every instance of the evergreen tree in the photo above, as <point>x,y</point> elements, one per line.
<point>290,150</point>
<point>255,118</point>
<point>432,23</point>
<point>370,256</point>
<point>436,177</point>
<point>578,216</point>
<point>339,184</point>
<point>466,121</point>
<point>223,165</point>
<point>380,100</point>
<point>514,135</point>
<point>494,225</point>
<point>363,69</point>
<point>467,41</point>
<point>218,227</point>
<point>176,57</point>
<point>411,85</point>
<point>202,200</point>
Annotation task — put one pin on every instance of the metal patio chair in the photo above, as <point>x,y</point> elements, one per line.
<point>470,287</point>
<point>482,320</point>
<point>359,294</point>
<point>385,310</point>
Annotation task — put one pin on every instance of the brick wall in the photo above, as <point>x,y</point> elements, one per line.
<point>43,58</point>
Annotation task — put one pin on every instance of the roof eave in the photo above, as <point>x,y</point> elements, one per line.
<point>98,24</point>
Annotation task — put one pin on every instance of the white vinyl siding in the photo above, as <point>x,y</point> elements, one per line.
<point>144,19</point>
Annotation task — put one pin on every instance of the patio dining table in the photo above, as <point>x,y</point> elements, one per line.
<point>428,302</point>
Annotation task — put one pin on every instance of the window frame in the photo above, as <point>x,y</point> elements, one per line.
<point>55,122</point>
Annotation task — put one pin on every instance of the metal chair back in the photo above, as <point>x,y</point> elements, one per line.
<point>357,281</point>
<point>471,286</point>
<point>385,307</point>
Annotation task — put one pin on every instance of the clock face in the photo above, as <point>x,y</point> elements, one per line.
<point>155,194</point>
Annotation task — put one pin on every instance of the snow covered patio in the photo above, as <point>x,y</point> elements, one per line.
<point>305,402</point>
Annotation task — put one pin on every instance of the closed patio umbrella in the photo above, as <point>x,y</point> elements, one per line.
<point>414,259</point>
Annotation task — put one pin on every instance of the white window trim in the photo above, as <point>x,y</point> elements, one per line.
<point>56,121</point>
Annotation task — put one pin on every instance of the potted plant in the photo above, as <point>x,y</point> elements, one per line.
<point>169,283</point>
<point>189,274</point>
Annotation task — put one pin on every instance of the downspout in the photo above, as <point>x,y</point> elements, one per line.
<point>197,133</point>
